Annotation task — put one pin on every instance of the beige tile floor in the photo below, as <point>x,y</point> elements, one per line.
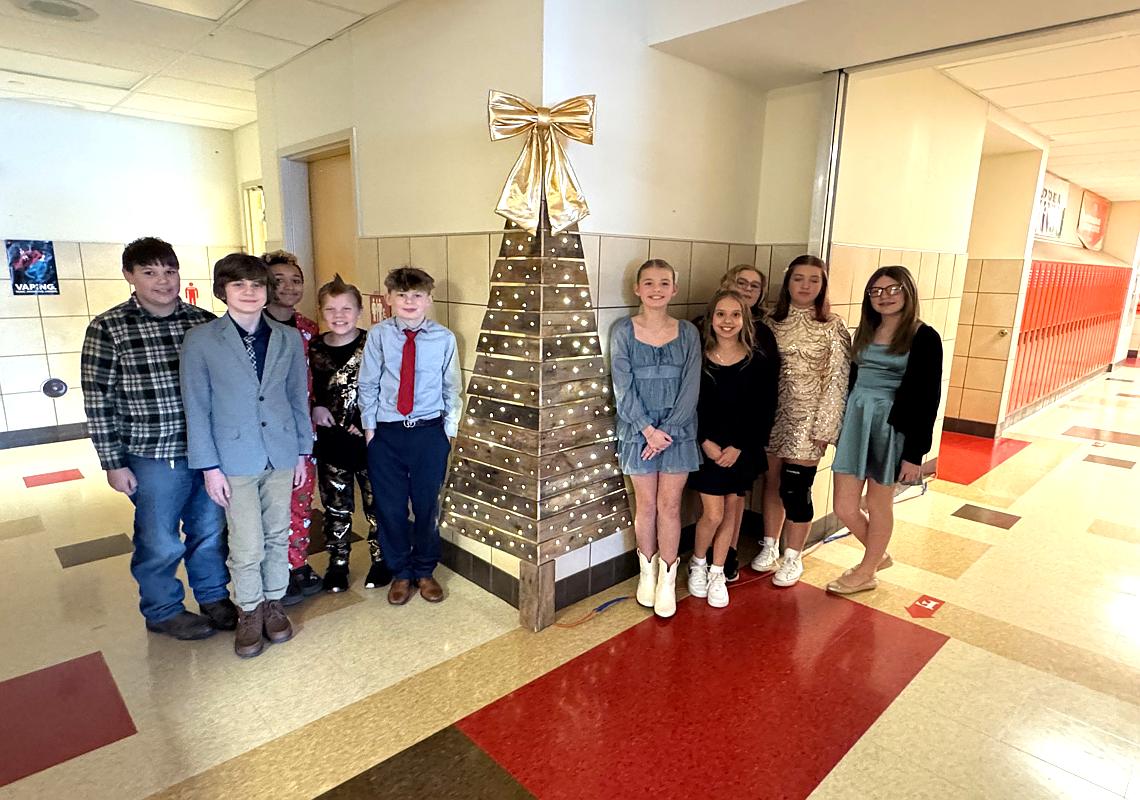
<point>1037,693</point>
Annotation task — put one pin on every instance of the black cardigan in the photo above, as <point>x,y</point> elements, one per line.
<point>916,400</point>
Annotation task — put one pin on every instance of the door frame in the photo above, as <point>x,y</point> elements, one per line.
<point>296,213</point>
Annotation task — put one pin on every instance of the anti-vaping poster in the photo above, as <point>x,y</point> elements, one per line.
<point>31,263</point>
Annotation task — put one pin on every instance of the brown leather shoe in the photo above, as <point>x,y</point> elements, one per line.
<point>247,641</point>
<point>278,629</point>
<point>400,592</point>
<point>430,589</point>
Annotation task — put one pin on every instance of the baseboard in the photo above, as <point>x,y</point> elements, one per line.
<point>34,436</point>
<point>970,427</point>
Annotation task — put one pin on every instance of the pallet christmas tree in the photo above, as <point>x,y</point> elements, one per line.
<point>535,471</point>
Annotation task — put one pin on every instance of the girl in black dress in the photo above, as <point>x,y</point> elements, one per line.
<point>734,416</point>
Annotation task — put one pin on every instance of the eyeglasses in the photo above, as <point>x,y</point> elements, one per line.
<point>890,291</point>
<point>743,283</point>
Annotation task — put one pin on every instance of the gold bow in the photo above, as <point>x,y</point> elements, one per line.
<point>542,167</point>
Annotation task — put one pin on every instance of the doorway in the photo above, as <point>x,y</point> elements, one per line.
<point>334,218</point>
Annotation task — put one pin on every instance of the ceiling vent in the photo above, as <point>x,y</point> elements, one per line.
<point>67,10</point>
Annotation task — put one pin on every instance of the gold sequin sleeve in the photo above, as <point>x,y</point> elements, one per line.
<point>833,398</point>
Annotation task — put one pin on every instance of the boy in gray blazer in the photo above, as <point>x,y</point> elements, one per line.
<point>244,386</point>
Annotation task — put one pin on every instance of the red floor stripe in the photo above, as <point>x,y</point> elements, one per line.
<point>55,714</point>
<point>48,478</point>
<point>963,459</point>
<point>761,699</point>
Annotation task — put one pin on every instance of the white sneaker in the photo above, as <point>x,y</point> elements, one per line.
<point>647,580</point>
<point>768,558</point>
<point>789,572</point>
<point>698,579</point>
<point>717,590</point>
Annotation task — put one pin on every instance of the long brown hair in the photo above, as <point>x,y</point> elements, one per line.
<point>747,329</point>
<point>784,301</point>
<point>870,320</point>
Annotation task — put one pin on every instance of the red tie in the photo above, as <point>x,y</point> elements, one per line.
<point>407,393</point>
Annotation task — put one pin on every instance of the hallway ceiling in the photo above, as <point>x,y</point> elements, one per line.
<point>784,42</point>
<point>1083,96</point>
<point>188,61</point>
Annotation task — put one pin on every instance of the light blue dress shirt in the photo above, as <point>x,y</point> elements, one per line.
<point>438,378</point>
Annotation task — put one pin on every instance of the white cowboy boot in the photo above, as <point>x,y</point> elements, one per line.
<point>647,581</point>
<point>665,603</point>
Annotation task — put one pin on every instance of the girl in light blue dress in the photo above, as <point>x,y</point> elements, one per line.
<point>889,420</point>
<point>656,367</point>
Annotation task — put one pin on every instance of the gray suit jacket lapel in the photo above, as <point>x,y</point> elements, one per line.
<point>232,340</point>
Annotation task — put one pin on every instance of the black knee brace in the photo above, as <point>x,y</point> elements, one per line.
<point>795,491</point>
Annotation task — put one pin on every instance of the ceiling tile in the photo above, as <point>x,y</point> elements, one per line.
<point>1114,81</point>
<point>52,67</point>
<point>29,98</point>
<point>301,21</point>
<point>1068,109</point>
<point>1092,137</point>
<point>361,6</point>
<point>1092,122</point>
<point>141,101</point>
<point>123,19</point>
<point>212,70</point>
<point>61,90</point>
<point>200,123</point>
<point>245,47</point>
<point>201,92</point>
<point>207,9</point>
<point>80,44</point>
<point>1055,62</point>
<point>1061,150</point>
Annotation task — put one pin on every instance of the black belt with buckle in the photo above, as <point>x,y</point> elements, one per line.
<point>414,423</point>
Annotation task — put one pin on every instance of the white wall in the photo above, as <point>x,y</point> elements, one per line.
<point>73,175</point>
<point>1004,205</point>
<point>912,142</point>
<point>787,167</point>
<point>247,153</point>
<point>413,85</point>
<point>677,147</point>
<point>1123,230</point>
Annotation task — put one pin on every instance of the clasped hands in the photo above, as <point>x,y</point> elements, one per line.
<point>721,456</point>
<point>656,441</point>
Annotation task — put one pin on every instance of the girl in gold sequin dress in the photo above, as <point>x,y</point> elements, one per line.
<point>814,353</point>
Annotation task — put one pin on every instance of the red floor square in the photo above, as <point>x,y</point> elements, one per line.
<point>963,459</point>
<point>759,700</point>
<point>49,478</point>
<point>57,713</point>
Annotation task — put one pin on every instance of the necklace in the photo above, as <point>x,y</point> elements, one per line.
<point>717,357</point>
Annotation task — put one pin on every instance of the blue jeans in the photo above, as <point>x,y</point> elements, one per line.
<point>170,492</point>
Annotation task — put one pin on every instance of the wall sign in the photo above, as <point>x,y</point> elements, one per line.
<point>1050,211</point>
<point>1092,222</point>
<point>378,309</point>
<point>31,263</point>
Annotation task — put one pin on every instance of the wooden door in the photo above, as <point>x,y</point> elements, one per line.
<point>334,220</point>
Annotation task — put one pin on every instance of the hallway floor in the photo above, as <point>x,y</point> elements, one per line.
<point>1000,658</point>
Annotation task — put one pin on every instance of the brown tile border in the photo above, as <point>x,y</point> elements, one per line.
<point>1101,435</point>
<point>73,555</point>
<point>1110,462</point>
<point>987,516</point>
<point>15,528</point>
<point>445,766</point>
<point>34,436</point>
<point>987,430</point>
<point>1114,530</point>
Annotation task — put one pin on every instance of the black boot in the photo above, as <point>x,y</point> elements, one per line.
<point>183,625</point>
<point>336,576</point>
<point>222,614</point>
<point>378,575</point>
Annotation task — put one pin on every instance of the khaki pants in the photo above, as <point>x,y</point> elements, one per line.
<point>258,519</point>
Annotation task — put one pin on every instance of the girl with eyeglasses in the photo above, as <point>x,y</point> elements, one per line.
<point>814,347</point>
<point>889,421</point>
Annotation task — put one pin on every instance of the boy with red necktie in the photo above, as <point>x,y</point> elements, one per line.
<point>410,404</point>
